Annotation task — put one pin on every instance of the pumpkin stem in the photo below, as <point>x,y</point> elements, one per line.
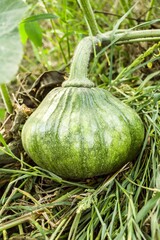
<point>79,66</point>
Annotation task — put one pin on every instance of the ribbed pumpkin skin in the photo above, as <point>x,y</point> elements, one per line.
<point>82,132</point>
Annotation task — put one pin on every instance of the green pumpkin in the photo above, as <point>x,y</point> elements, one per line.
<point>80,131</point>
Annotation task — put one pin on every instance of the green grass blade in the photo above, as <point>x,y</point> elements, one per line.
<point>147,207</point>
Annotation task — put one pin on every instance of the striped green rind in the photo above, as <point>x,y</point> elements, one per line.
<point>79,132</point>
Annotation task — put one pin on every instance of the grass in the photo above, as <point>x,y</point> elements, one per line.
<point>35,203</point>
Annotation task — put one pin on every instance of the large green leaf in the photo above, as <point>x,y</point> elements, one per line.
<point>11,13</point>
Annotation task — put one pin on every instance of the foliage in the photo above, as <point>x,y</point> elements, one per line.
<point>11,52</point>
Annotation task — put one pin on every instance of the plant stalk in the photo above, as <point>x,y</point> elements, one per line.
<point>6,98</point>
<point>122,36</point>
<point>89,16</point>
<point>81,58</point>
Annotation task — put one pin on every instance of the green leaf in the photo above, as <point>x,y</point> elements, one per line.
<point>34,32</point>
<point>11,13</point>
<point>39,17</point>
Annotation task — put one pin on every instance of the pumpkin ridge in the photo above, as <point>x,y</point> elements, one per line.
<point>101,138</point>
<point>58,122</point>
<point>123,115</point>
<point>62,101</point>
<point>48,126</point>
<point>84,168</point>
<point>56,101</point>
<point>102,99</point>
<point>73,107</point>
<point>119,106</point>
